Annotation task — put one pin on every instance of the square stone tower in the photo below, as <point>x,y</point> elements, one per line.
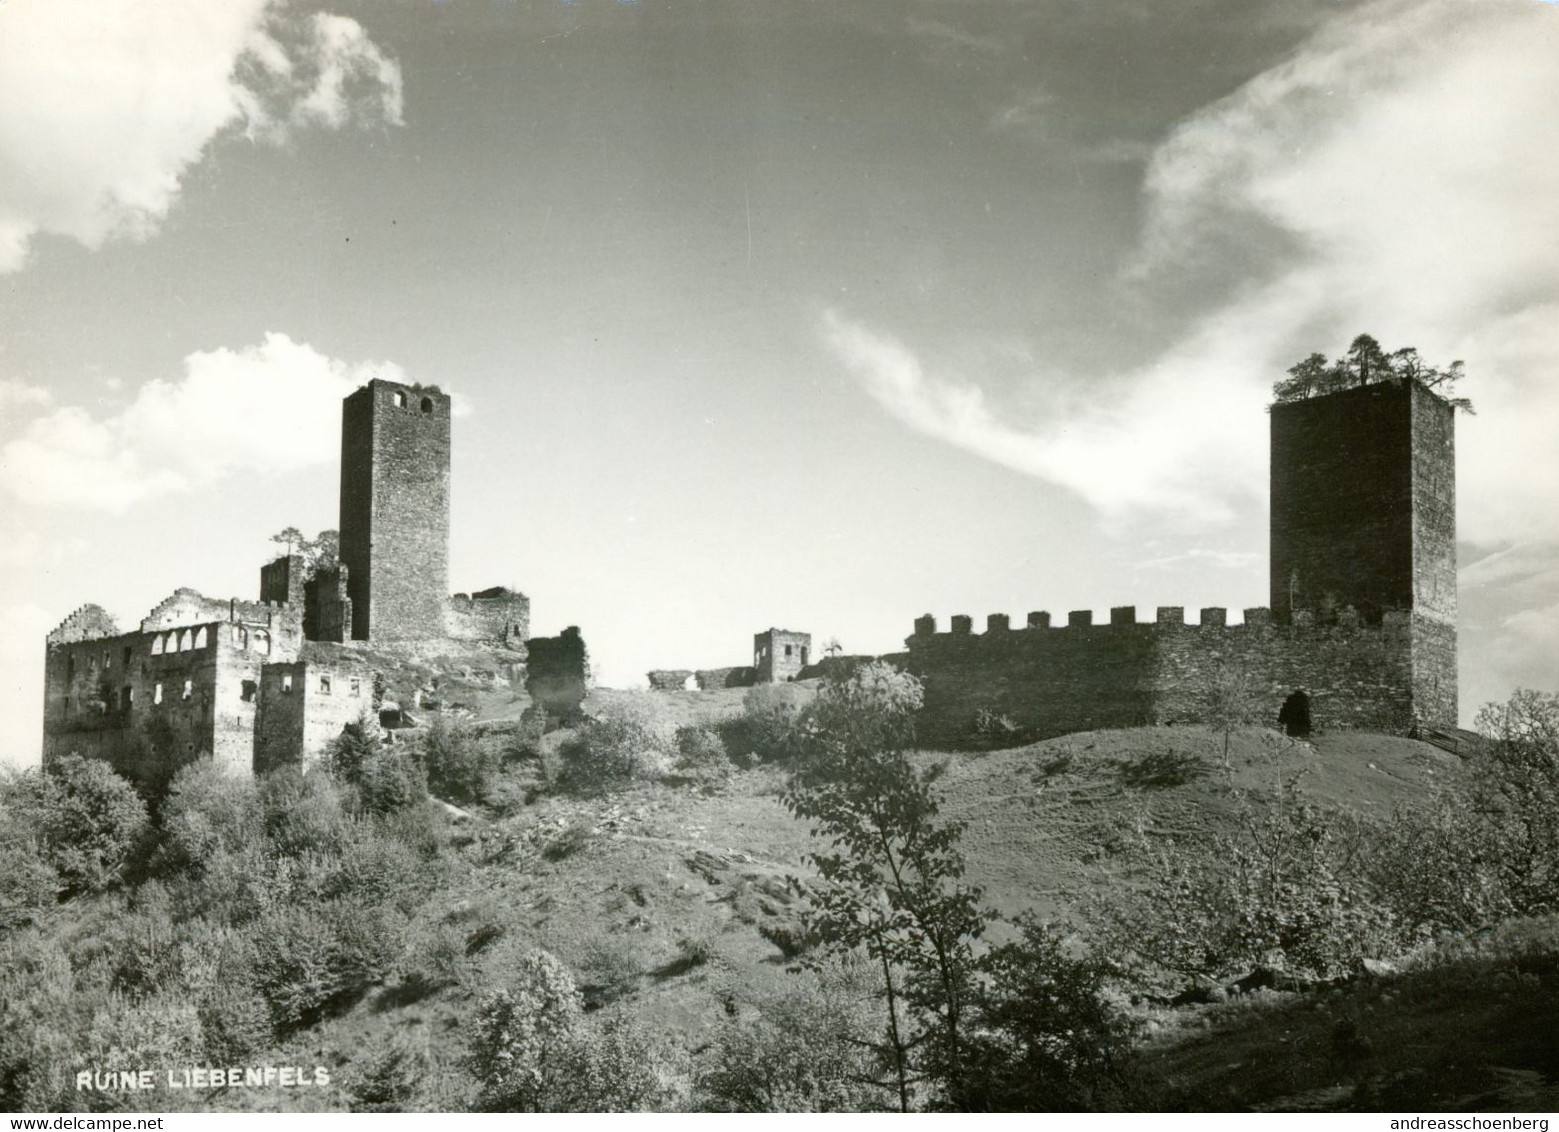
<point>779,655</point>
<point>1364,515</point>
<point>395,510</point>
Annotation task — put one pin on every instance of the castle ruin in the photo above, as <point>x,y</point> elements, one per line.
<point>1361,627</point>
<point>257,684</point>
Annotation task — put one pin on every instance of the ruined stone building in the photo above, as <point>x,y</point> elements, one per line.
<point>256,684</point>
<point>1361,627</point>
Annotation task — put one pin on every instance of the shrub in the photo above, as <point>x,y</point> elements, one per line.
<point>303,813</point>
<point>701,755</point>
<point>28,882</point>
<point>208,811</point>
<point>1044,1036</point>
<point>88,820</point>
<point>392,780</point>
<point>804,1052</point>
<point>1517,788</point>
<point>770,714</point>
<point>348,753</point>
<point>459,766</point>
<point>1285,891</point>
<point>519,1040</point>
<point>566,842</point>
<point>631,739</point>
<point>531,1049</point>
<point>313,960</point>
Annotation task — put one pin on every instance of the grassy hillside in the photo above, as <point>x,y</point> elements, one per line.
<point>671,902</point>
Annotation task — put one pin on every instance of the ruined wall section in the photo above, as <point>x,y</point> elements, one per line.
<point>327,606</point>
<point>148,703</point>
<point>669,679</point>
<point>497,616</point>
<point>282,580</point>
<point>709,679</point>
<point>303,705</point>
<point>394,521</point>
<point>88,623</point>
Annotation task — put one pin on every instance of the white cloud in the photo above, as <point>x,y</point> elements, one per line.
<point>18,394</point>
<point>106,104</point>
<point>262,409</point>
<point>1399,175</point>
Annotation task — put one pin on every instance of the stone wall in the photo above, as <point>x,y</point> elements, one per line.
<point>709,679</point>
<point>669,679</point>
<point>327,606</point>
<point>497,616</point>
<point>150,702</point>
<point>394,521</point>
<point>305,704</point>
<point>557,674</point>
<point>282,580</point>
<point>1053,680</point>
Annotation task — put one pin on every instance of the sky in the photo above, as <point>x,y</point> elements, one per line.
<point>800,314</point>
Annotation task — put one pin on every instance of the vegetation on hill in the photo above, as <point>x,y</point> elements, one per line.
<point>786,906</point>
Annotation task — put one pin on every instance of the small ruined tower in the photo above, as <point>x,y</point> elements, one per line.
<point>394,522</point>
<point>779,655</point>
<point>1364,515</point>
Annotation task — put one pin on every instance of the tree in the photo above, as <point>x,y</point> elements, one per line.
<point>291,538</point>
<point>1367,363</point>
<point>87,819</point>
<point>890,879</point>
<point>1232,705</point>
<point>1517,789</point>
<point>1046,1038</point>
<point>531,1049</point>
<point>833,647</point>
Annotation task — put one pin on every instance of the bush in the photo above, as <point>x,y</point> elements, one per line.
<point>531,1049</point>
<point>770,715</point>
<point>87,820</point>
<point>631,739</point>
<point>459,766</point>
<point>303,813</point>
<point>28,882</point>
<point>313,960</point>
<point>804,1052</point>
<point>208,811</point>
<point>519,1040</point>
<point>1287,891</point>
<point>392,780</point>
<point>1043,1036</point>
<point>701,755</point>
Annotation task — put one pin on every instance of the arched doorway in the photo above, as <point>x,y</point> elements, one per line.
<point>1294,718</point>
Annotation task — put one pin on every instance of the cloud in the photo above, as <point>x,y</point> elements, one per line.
<point>265,409</point>
<point>1145,449</point>
<point>1402,171</point>
<point>1398,174</point>
<point>19,395</point>
<point>105,106</point>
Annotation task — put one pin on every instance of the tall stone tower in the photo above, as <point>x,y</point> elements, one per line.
<point>395,510</point>
<point>1364,515</point>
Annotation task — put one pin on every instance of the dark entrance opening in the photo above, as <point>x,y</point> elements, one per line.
<point>1294,717</point>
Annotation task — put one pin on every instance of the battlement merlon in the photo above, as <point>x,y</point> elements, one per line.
<point>1256,619</point>
<point>88,622</point>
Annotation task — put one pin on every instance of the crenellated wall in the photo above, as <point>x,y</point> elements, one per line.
<point>1125,673</point>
